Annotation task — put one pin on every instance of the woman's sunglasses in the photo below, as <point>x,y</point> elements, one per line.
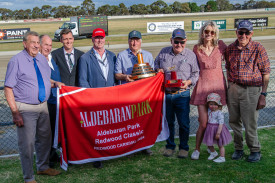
<point>208,31</point>
<point>244,32</point>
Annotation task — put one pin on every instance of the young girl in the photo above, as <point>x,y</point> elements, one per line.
<point>216,132</point>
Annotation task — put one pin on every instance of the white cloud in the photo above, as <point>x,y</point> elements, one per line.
<point>6,4</point>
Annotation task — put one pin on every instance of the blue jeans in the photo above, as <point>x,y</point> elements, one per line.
<point>178,105</point>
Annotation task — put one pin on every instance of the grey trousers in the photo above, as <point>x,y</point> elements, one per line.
<point>242,104</point>
<point>36,133</point>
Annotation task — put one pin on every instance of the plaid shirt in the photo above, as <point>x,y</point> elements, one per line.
<point>246,67</point>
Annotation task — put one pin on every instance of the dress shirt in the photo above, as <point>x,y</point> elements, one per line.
<point>67,59</point>
<point>103,63</point>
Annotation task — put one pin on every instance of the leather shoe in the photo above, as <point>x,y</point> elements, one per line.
<point>98,164</point>
<point>237,155</point>
<point>148,152</point>
<point>49,171</point>
<point>254,157</point>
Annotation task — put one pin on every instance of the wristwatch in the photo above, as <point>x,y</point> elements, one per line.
<point>264,94</point>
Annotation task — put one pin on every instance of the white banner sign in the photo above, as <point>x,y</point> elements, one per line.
<point>153,27</point>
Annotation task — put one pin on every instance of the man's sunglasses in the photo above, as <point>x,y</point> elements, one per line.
<point>208,31</point>
<point>242,33</point>
<point>177,42</point>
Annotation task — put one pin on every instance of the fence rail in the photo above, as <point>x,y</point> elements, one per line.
<point>8,136</point>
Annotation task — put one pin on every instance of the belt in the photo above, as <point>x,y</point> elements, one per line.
<point>175,92</point>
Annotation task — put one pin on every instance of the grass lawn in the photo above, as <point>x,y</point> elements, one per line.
<point>157,168</point>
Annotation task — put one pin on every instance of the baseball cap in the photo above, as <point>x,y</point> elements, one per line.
<point>134,33</point>
<point>180,33</point>
<point>245,24</point>
<point>98,32</point>
<point>214,97</point>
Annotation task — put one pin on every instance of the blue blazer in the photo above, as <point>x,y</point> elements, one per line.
<point>55,75</point>
<point>90,74</point>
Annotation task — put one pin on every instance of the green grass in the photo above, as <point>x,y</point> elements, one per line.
<point>157,168</point>
<point>124,26</point>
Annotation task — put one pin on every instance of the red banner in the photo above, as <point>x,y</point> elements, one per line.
<point>98,124</point>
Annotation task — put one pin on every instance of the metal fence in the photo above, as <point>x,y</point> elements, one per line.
<point>8,136</point>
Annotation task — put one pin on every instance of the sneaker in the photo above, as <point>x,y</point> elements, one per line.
<point>98,164</point>
<point>254,157</point>
<point>183,153</point>
<point>237,155</point>
<point>219,160</point>
<point>213,155</point>
<point>168,152</point>
<point>49,171</point>
<point>195,155</point>
<point>148,152</point>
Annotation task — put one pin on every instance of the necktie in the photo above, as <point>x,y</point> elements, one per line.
<point>41,91</point>
<point>70,61</point>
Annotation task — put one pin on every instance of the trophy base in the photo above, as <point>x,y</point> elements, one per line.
<point>143,76</point>
<point>174,83</point>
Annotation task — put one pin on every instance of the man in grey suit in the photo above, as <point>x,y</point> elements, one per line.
<point>67,57</point>
<point>96,68</point>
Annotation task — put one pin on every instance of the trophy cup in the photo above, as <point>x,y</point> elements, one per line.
<point>173,82</point>
<point>142,70</point>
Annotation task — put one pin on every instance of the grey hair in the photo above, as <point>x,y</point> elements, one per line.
<point>42,36</point>
<point>29,33</point>
<point>216,29</point>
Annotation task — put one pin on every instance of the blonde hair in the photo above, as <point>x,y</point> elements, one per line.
<point>216,37</point>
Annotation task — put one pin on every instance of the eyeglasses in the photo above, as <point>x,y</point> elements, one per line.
<point>177,42</point>
<point>242,33</point>
<point>208,31</point>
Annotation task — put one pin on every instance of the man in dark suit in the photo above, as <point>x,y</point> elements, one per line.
<point>67,58</point>
<point>96,68</point>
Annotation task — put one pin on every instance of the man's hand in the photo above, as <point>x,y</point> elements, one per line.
<point>17,119</point>
<point>128,78</point>
<point>160,70</point>
<point>186,83</point>
<point>58,84</point>
<point>261,102</point>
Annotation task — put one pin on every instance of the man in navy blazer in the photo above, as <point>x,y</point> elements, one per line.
<point>96,67</point>
<point>67,57</point>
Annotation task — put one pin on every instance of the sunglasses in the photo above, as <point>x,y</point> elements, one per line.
<point>177,42</point>
<point>208,31</point>
<point>242,33</point>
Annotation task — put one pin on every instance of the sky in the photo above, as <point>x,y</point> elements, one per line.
<point>30,4</point>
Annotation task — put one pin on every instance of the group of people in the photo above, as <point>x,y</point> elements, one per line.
<point>33,75</point>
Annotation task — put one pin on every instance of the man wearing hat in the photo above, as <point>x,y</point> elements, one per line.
<point>184,62</point>
<point>128,58</point>
<point>248,70</point>
<point>96,68</point>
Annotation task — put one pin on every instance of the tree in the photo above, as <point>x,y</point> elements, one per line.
<point>237,6</point>
<point>46,11</point>
<point>114,10</point>
<point>186,8</point>
<point>36,12</point>
<point>123,10</point>
<point>249,4</point>
<point>5,13</point>
<point>88,6</point>
<point>194,7</point>
<point>104,10</point>
<point>176,7</point>
<point>211,6</point>
<point>139,9</point>
<point>223,5</point>
<point>158,7</point>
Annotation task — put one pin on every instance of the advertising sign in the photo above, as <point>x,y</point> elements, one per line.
<point>196,25</point>
<point>13,33</point>
<point>257,22</point>
<point>153,27</point>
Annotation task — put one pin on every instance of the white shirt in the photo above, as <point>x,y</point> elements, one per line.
<point>50,61</point>
<point>67,59</point>
<point>215,117</point>
<point>103,63</point>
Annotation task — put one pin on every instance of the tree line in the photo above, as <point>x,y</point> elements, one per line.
<point>158,7</point>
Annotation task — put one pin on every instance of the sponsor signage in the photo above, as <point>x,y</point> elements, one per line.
<point>196,25</point>
<point>13,33</point>
<point>153,27</point>
<point>257,22</point>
